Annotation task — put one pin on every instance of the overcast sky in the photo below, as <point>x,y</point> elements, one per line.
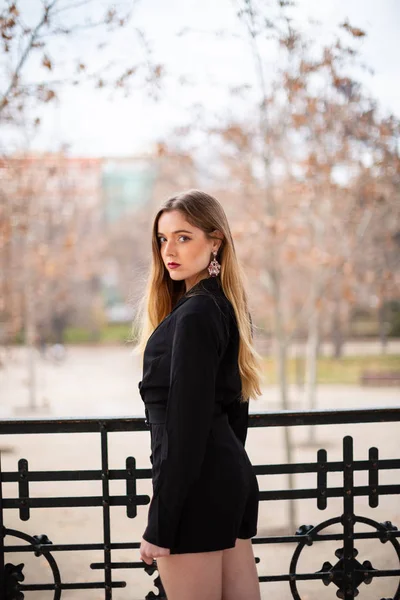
<point>92,124</point>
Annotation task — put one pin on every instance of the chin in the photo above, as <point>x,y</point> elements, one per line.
<point>176,276</point>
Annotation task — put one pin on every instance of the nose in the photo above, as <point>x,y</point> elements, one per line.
<point>169,249</point>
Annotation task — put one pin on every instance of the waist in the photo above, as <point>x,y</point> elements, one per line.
<point>156,413</point>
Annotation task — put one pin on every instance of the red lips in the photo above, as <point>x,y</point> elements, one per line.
<point>173,264</point>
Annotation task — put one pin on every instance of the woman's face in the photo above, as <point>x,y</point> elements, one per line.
<point>185,245</point>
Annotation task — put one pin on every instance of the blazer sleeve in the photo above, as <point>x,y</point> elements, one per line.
<point>197,346</point>
<point>238,417</point>
<point>238,412</point>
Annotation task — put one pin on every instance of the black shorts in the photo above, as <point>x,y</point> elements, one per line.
<point>222,504</point>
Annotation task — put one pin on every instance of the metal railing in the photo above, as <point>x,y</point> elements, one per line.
<point>347,574</point>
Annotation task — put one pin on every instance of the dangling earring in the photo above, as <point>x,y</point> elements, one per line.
<point>214,267</point>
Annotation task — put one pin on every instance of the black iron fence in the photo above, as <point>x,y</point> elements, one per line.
<point>347,575</point>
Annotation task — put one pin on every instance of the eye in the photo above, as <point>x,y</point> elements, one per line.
<point>161,237</point>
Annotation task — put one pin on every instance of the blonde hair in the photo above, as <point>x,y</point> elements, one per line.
<point>162,293</point>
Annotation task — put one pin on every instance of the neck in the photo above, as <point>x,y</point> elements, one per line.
<point>192,281</point>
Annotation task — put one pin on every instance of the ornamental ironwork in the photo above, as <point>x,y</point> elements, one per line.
<point>344,572</point>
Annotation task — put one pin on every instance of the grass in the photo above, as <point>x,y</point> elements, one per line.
<point>111,334</point>
<point>345,370</point>
<point>116,332</point>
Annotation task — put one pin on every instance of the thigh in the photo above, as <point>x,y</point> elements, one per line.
<point>239,573</point>
<point>192,576</point>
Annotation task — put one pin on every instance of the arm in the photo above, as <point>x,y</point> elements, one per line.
<point>238,412</point>
<point>238,417</point>
<point>197,345</point>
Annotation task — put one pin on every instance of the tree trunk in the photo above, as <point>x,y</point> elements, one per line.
<point>30,304</point>
<point>282,357</point>
<point>30,338</point>
<point>337,333</point>
<point>310,386</point>
<point>382,326</point>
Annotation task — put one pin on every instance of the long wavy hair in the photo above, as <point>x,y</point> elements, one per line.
<point>162,293</point>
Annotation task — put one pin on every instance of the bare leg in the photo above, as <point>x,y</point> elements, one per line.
<point>239,573</point>
<point>192,576</point>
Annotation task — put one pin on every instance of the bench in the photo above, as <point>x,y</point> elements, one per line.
<point>380,378</point>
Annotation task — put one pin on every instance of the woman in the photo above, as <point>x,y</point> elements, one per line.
<point>199,370</point>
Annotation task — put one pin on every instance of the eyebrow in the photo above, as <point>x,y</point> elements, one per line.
<point>178,231</point>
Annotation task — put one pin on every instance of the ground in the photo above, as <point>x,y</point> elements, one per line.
<point>103,382</point>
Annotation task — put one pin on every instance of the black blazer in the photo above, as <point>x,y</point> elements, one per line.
<point>190,375</point>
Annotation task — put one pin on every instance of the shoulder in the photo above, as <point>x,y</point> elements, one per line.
<point>205,312</point>
<point>199,306</point>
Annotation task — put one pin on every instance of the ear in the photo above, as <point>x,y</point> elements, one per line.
<point>217,243</point>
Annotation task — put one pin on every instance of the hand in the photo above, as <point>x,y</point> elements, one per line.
<point>149,551</point>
